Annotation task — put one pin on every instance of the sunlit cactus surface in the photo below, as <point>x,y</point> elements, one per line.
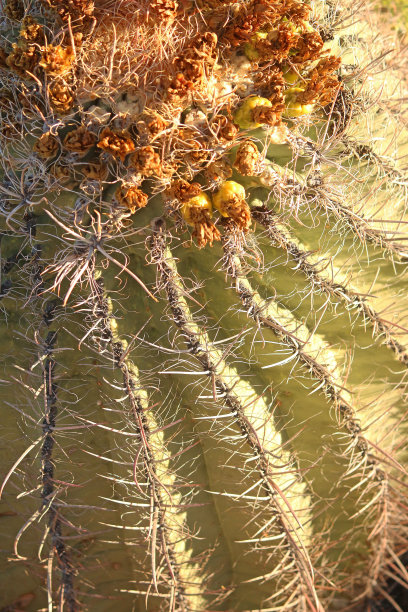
<point>203,299</point>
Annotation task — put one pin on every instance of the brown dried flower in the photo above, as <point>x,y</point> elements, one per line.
<point>61,97</point>
<point>322,85</point>
<point>269,80</point>
<point>184,191</point>
<point>56,59</point>
<point>189,68</point>
<point>131,197</point>
<point>267,115</point>
<point>278,44</point>
<point>230,202</point>
<point>23,59</point>
<point>118,143</point>
<point>308,47</point>
<point>251,18</point>
<point>46,146</point>
<point>146,162</point>
<point>238,211</point>
<point>205,231</point>
<point>79,140</point>
<point>31,31</point>
<point>14,9</point>
<point>247,158</point>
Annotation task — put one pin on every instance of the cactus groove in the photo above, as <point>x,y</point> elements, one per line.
<point>203,293</point>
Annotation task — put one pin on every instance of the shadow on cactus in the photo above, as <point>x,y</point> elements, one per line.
<point>203,297</point>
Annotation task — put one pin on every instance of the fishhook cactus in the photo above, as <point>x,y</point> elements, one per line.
<point>203,298</point>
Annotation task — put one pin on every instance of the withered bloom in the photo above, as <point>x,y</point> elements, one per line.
<point>116,142</point>
<point>46,146</point>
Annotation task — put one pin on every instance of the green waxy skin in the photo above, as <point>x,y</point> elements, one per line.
<point>219,428</point>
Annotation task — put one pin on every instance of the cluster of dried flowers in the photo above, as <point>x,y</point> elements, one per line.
<point>161,96</point>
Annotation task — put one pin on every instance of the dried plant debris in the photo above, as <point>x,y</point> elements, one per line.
<point>165,114</point>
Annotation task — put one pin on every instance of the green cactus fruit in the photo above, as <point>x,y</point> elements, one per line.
<point>204,307</point>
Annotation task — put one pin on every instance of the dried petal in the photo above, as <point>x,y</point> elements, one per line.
<point>247,158</point>
<point>146,162</point>
<point>56,59</point>
<point>46,146</point>
<point>61,97</point>
<point>131,197</point>
<point>79,140</point>
<point>184,191</point>
<point>117,143</point>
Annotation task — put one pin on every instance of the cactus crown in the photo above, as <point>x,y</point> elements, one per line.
<point>181,442</point>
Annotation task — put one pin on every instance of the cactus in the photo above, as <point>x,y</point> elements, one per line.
<point>203,296</point>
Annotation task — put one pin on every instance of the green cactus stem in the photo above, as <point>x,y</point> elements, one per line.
<point>203,293</point>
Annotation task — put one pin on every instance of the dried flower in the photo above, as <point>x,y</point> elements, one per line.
<point>184,191</point>
<point>46,146</point>
<point>56,59</point>
<point>118,143</point>
<point>79,140</point>
<point>308,47</point>
<point>266,115</point>
<point>23,60</point>
<point>61,96</point>
<point>131,197</point>
<point>151,126</point>
<point>146,162</point>
<point>251,18</point>
<point>31,31</point>
<point>247,158</point>
<point>254,112</point>
<point>190,67</point>
<point>321,85</point>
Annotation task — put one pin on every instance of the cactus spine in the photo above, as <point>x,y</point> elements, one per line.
<point>203,291</point>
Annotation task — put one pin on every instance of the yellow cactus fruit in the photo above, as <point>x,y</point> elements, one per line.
<point>201,201</point>
<point>293,108</point>
<point>231,204</point>
<point>243,115</point>
<point>197,212</point>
